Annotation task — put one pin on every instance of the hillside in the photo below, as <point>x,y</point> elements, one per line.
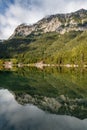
<point>47,42</point>
<point>61,23</point>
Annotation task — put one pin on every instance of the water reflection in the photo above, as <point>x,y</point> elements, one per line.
<point>14,116</point>
<point>56,90</point>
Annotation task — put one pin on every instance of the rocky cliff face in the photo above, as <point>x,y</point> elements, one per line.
<point>60,23</point>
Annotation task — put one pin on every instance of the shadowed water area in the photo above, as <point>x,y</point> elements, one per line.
<point>43,99</point>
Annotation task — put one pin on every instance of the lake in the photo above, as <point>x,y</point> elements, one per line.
<point>43,99</point>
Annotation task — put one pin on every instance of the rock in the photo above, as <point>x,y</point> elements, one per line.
<point>60,23</point>
<point>63,98</point>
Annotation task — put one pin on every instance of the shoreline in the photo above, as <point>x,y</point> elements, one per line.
<point>41,65</point>
<point>9,65</point>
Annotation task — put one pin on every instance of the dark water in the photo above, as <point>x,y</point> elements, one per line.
<point>49,99</point>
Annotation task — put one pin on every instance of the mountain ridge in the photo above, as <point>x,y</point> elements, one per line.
<point>61,23</point>
<point>46,44</point>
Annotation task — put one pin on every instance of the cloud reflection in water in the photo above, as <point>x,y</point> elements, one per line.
<point>14,116</point>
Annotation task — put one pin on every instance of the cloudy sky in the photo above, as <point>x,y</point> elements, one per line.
<point>15,12</point>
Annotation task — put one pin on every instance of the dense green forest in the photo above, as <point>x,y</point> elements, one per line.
<point>68,48</point>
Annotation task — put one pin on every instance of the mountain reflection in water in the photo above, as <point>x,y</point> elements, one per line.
<point>62,91</point>
<point>14,116</point>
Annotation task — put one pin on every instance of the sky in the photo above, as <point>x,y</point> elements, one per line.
<point>16,12</point>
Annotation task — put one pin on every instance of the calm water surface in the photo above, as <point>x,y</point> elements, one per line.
<point>49,99</point>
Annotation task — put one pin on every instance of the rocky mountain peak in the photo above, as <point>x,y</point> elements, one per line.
<point>82,11</point>
<point>61,23</point>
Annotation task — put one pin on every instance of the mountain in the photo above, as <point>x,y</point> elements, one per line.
<point>1,41</point>
<point>56,39</point>
<point>60,23</point>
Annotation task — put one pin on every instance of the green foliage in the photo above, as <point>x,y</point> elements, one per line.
<point>69,48</point>
<point>51,82</point>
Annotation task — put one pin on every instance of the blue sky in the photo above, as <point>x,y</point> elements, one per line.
<point>15,12</point>
<point>4,4</point>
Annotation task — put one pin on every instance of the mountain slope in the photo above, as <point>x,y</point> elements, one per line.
<point>60,23</point>
<point>49,46</point>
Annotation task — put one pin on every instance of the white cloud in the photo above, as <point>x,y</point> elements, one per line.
<point>15,15</point>
<point>30,11</point>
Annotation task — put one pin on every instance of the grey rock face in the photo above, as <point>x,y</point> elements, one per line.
<point>60,23</point>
